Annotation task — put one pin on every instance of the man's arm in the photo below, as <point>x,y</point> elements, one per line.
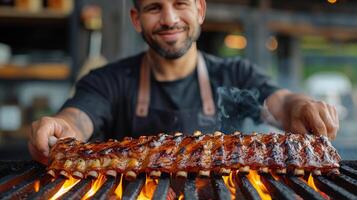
<point>70,122</point>
<point>298,113</point>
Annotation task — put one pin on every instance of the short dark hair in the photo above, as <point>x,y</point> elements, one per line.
<point>136,4</point>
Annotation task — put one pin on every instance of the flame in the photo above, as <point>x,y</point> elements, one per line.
<point>148,190</point>
<point>119,190</point>
<point>67,185</point>
<point>229,181</point>
<point>311,183</point>
<point>95,186</point>
<point>254,178</point>
<point>36,185</point>
<point>181,197</point>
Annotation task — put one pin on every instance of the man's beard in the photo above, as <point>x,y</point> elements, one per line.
<point>172,54</point>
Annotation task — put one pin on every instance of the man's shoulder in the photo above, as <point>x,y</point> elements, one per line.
<point>125,66</point>
<point>217,62</point>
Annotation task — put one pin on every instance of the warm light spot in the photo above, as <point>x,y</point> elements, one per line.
<point>332,1</point>
<point>95,186</point>
<point>272,43</point>
<point>67,185</point>
<point>229,181</point>
<point>254,178</point>
<point>148,190</point>
<point>119,190</point>
<point>235,41</point>
<point>36,185</point>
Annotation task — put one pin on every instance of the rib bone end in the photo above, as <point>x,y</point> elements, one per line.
<point>244,170</point>
<point>281,171</point>
<point>64,173</point>
<point>155,174</point>
<point>264,170</point>
<point>224,171</point>
<point>93,174</point>
<point>111,172</point>
<point>204,173</point>
<point>317,172</point>
<point>197,133</point>
<point>51,173</point>
<point>299,172</point>
<point>178,134</point>
<point>181,174</point>
<point>217,133</point>
<point>78,175</point>
<point>130,175</point>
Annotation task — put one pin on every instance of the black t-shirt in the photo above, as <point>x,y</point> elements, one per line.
<point>108,95</point>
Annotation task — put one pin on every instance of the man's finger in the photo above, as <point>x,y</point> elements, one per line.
<point>36,155</point>
<point>315,123</point>
<point>298,127</point>
<point>41,136</point>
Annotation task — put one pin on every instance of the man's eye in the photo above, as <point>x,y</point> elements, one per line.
<point>153,8</point>
<point>181,4</point>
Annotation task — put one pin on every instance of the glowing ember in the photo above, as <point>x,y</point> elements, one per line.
<point>148,190</point>
<point>67,185</point>
<point>95,186</point>
<point>36,185</point>
<point>181,197</point>
<point>119,190</point>
<point>254,178</point>
<point>229,181</point>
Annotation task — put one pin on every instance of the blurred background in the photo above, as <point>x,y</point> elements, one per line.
<point>308,46</point>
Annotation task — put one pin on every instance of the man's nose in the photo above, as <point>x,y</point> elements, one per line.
<point>169,17</point>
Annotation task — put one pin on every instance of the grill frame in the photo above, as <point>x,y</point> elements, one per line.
<point>17,179</point>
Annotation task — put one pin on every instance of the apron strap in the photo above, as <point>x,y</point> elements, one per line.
<point>143,102</point>
<point>142,106</point>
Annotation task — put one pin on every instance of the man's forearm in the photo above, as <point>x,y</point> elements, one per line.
<point>79,121</point>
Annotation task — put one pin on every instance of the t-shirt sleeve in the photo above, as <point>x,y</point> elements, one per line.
<point>251,77</point>
<point>94,96</point>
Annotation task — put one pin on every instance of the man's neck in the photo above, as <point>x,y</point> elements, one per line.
<point>170,70</point>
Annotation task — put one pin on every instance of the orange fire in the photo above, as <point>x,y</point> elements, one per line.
<point>67,185</point>
<point>95,186</point>
<point>229,181</point>
<point>119,190</point>
<point>148,190</point>
<point>311,183</point>
<point>36,185</point>
<point>254,178</point>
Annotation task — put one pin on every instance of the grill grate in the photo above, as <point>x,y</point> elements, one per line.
<point>18,181</point>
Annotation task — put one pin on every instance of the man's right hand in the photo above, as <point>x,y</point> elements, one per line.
<point>70,122</point>
<point>43,134</point>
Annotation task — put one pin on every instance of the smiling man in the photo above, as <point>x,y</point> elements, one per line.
<point>171,87</point>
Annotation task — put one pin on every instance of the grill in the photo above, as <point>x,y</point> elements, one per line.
<point>29,180</point>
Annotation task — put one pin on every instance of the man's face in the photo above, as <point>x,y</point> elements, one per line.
<point>169,26</point>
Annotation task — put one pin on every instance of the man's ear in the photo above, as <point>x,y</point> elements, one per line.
<point>202,7</point>
<point>134,16</point>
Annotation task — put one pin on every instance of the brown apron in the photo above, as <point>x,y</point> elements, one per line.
<point>149,120</point>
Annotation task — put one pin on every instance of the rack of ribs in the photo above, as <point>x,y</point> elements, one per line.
<point>198,153</point>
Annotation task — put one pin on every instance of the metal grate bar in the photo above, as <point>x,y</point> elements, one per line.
<point>162,188</point>
<point>302,188</point>
<point>78,191</point>
<point>246,187</point>
<point>106,190</point>
<point>8,167</point>
<point>332,189</point>
<point>11,180</point>
<point>133,189</point>
<point>49,190</point>
<point>346,182</point>
<point>349,171</point>
<point>221,189</point>
<point>189,190</point>
<point>278,189</point>
<point>23,189</point>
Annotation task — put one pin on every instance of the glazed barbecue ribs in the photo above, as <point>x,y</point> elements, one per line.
<point>203,154</point>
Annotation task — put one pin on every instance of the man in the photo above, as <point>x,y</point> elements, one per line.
<point>171,87</point>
